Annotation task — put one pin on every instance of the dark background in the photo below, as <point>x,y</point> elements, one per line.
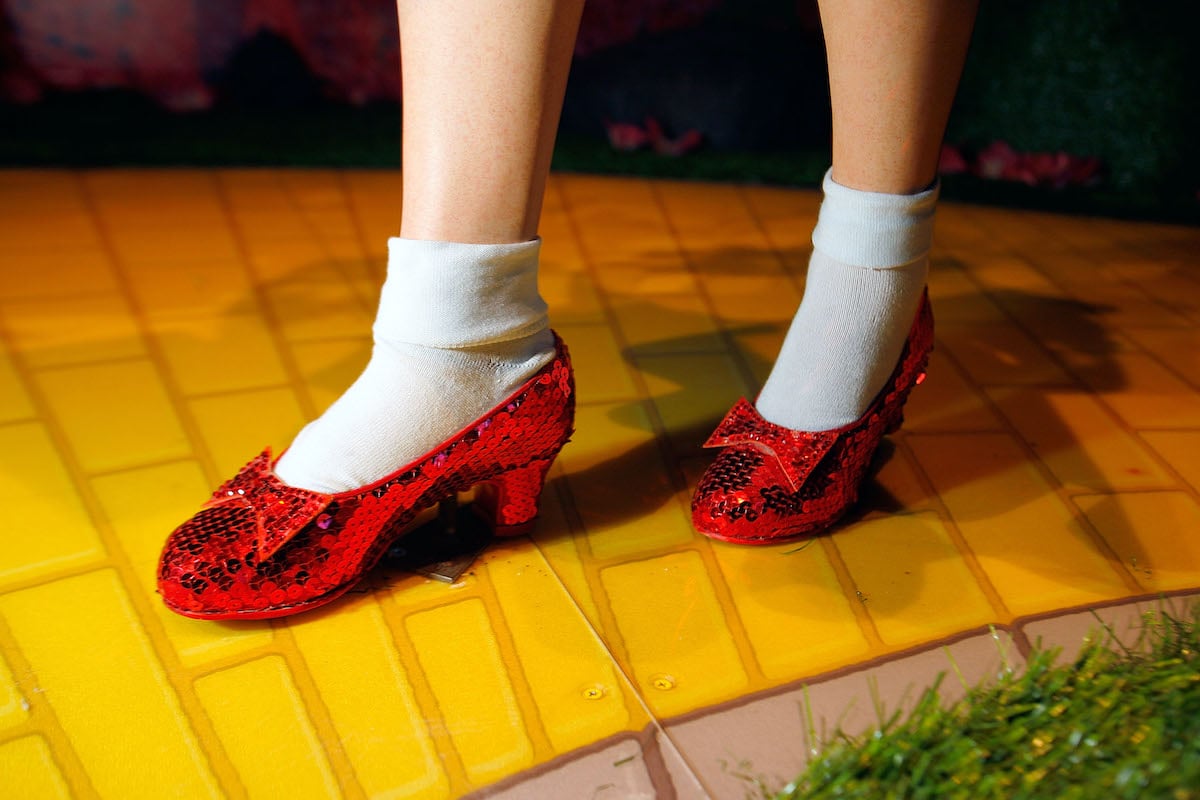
<point>1112,79</point>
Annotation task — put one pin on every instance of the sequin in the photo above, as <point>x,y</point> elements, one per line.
<point>770,483</point>
<point>260,548</point>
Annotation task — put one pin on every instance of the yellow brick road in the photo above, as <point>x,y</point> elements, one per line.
<point>157,328</point>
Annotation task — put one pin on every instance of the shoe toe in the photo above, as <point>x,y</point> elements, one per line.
<point>210,566</point>
<point>744,497</point>
<point>207,565</point>
<point>729,502</point>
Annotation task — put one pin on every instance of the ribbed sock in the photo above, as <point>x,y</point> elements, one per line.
<point>865,279</point>
<point>460,327</point>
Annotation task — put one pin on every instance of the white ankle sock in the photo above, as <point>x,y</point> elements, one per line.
<point>460,327</point>
<point>865,280</point>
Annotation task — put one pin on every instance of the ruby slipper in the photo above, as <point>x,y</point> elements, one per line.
<point>260,548</point>
<point>770,483</point>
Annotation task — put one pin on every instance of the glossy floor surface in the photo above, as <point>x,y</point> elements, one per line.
<point>160,327</point>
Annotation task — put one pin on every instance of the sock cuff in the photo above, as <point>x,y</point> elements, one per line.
<point>451,294</point>
<point>873,229</point>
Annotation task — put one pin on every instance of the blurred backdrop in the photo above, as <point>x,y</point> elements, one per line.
<point>1086,105</point>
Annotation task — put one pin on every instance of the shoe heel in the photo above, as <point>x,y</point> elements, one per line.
<point>509,502</point>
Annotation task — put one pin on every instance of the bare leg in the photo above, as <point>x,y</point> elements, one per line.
<point>894,67</point>
<point>483,89</point>
<point>461,325</point>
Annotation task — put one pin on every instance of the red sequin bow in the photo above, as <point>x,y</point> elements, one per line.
<point>280,511</point>
<point>796,452</point>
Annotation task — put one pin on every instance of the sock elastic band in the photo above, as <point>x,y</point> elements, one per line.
<point>448,294</point>
<point>872,229</point>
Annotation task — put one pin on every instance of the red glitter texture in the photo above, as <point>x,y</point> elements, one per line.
<point>770,483</point>
<point>260,548</point>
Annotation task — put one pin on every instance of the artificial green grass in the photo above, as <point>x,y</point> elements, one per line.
<point>1112,724</point>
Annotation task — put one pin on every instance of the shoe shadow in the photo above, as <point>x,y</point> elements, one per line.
<point>993,340</point>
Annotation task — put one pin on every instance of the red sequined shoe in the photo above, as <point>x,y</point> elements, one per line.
<point>771,483</point>
<point>260,548</point>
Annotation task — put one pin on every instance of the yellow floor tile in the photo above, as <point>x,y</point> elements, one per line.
<point>713,218</point>
<point>73,330</point>
<point>1172,283</point>
<point>115,415</point>
<point>1181,449</point>
<point>1178,349</point>
<point>618,222</point>
<point>1020,231</point>
<point>601,374</point>
<point>1153,533</point>
<point>24,229</point>
<point>636,279</point>
<point>90,657</point>
<point>571,295</point>
<point>260,718</point>
<point>1124,305</point>
<point>893,484</point>
<point>473,690</point>
<point>619,484</point>
<point>691,394</point>
<point>328,368</point>
<point>579,694</point>
<point>28,211</point>
<point>757,344</point>
<point>277,257</point>
<point>367,690</point>
<point>954,292</point>
<point>666,324</point>
<point>914,582</point>
<point>1078,440</point>
<point>231,441</point>
<point>999,353</point>
<point>946,401</point>
<point>220,353</point>
<point>959,227</point>
<point>743,276</point>
<point>556,542</point>
<point>50,272</point>
<point>321,305</point>
<point>261,217</point>
<point>417,593</point>
<point>14,709</point>
<point>1076,333</point>
<point>14,400</point>
<point>1145,394</point>
<point>1033,549</point>
<point>28,771</point>
<point>681,652</point>
<point>39,495</point>
<point>739,298</point>
<point>142,240</point>
<point>195,287</point>
<point>624,237</point>
<point>787,218</point>
<point>143,506</point>
<point>796,616</point>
